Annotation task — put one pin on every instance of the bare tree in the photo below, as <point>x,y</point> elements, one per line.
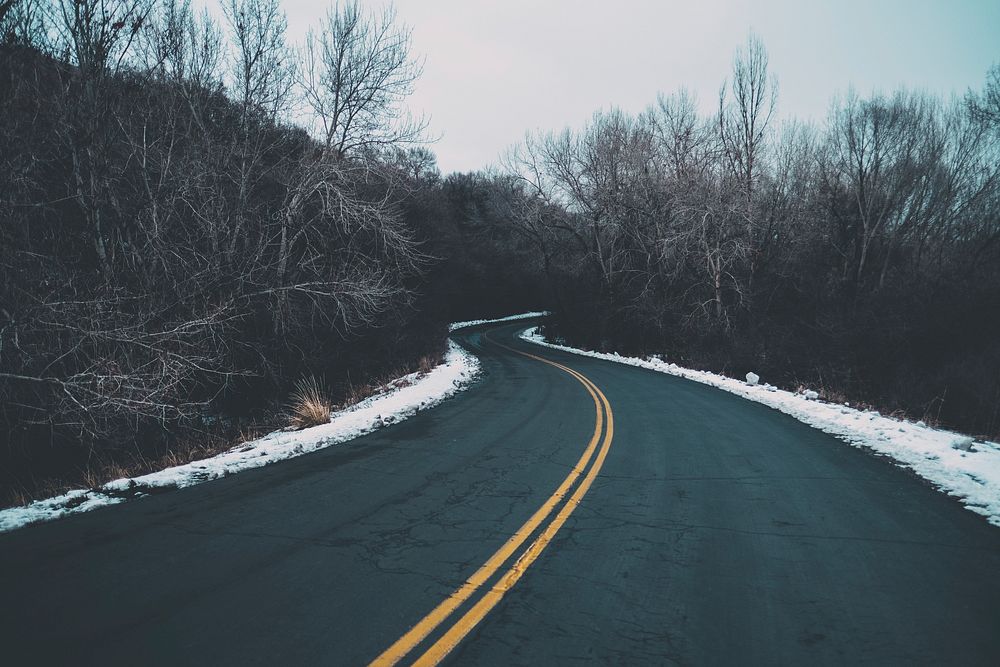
<point>5,9</point>
<point>683,142</point>
<point>744,121</point>
<point>98,34</point>
<point>182,47</point>
<point>883,152</point>
<point>986,105</point>
<point>24,22</point>
<point>345,256</point>
<point>262,69</point>
<point>357,72</point>
<point>261,78</point>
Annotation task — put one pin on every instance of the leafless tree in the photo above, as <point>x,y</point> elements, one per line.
<point>262,66</point>
<point>683,140</point>
<point>884,151</point>
<point>357,72</point>
<point>744,122</point>
<point>986,105</point>
<point>98,34</point>
<point>6,7</point>
<point>23,22</point>
<point>182,47</point>
<point>344,255</point>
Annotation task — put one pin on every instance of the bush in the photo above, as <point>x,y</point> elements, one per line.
<point>310,404</point>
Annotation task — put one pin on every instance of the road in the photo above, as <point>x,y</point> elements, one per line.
<point>696,528</point>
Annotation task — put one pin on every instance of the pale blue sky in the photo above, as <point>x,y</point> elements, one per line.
<point>496,69</point>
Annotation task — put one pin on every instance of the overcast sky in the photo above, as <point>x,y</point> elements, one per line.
<point>496,69</point>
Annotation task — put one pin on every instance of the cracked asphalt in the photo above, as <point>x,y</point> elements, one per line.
<point>718,531</point>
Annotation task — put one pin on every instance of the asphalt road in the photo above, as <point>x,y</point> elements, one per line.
<point>715,532</point>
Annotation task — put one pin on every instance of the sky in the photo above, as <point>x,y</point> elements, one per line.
<point>494,70</point>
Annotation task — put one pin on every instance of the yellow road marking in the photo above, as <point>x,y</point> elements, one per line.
<point>443,646</point>
<point>470,619</point>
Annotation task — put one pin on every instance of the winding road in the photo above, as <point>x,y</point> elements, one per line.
<point>563,510</point>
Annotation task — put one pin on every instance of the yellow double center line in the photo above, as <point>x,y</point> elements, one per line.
<point>464,625</point>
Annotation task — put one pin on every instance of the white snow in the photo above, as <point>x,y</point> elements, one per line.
<point>510,318</point>
<point>404,397</point>
<point>958,465</point>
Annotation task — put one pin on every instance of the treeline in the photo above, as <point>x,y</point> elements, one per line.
<point>175,254</point>
<point>860,256</point>
<point>195,215</point>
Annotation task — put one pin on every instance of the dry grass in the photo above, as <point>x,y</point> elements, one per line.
<point>194,447</point>
<point>428,363</point>
<point>310,404</point>
<point>354,394</point>
<point>357,393</point>
<point>833,396</point>
<point>16,497</point>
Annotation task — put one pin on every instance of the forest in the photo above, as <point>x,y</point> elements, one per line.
<point>197,216</point>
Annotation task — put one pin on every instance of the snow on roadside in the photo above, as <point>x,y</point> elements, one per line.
<point>960,466</point>
<point>509,318</point>
<point>404,397</point>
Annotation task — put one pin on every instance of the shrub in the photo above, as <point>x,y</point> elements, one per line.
<point>429,362</point>
<point>310,404</point>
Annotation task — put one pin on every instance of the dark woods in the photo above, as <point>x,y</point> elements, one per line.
<point>861,256</point>
<point>194,215</point>
<point>174,254</point>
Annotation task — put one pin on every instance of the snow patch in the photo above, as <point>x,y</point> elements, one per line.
<point>964,444</point>
<point>958,465</point>
<point>510,318</point>
<point>403,398</point>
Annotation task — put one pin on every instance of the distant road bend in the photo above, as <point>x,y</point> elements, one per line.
<point>563,510</point>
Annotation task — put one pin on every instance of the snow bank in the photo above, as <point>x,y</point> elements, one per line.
<point>509,318</point>
<point>404,397</point>
<point>960,466</point>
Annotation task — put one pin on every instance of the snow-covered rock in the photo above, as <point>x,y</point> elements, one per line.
<point>752,378</point>
<point>964,444</point>
<point>810,395</point>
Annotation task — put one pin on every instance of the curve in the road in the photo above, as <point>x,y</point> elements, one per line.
<point>603,423</point>
<point>718,531</point>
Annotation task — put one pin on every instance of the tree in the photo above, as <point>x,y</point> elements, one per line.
<point>183,48</point>
<point>98,34</point>
<point>885,155</point>
<point>262,68</point>
<point>986,105</point>
<point>22,22</point>
<point>743,125</point>
<point>357,72</point>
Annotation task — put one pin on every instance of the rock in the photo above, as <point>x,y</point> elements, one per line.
<point>752,378</point>
<point>810,395</point>
<point>964,444</point>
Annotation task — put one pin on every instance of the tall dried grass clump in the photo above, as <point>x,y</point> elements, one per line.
<point>309,404</point>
